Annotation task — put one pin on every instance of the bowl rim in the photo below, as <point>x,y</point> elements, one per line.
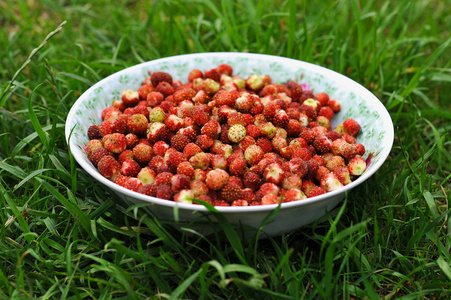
<point>328,73</point>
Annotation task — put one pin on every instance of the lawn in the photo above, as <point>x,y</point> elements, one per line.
<point>390,238</point>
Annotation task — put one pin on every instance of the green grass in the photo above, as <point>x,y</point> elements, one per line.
<point>65,237</point>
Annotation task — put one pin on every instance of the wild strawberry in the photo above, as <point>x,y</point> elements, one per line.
<point>257,108</point>
<point>300,167</point>
<point>200,161</point>
<point>270,199</point>
<point>315,191</point>
<point>253,154</point>
<point>115,142</point>
<point>184,196</point>
<point>224,98</point>
<point>213,74</point>
<point>225,69</point>
<point>334,105</point>
<point>158,77</point>
<point>240,202</point>
<point>252,181</point>
<point>157,132</point>
<point>137,124</point>
<point>118,104</point>
<point>120,124</point>
<point>273,173</point>
<point>322,144</point>
<point>179,141</point>
<point>155,163</point>
<point>339,129</point>
<point>236,118</point>
<point>307,185</point>
<point>265,144</point>
<point>333,135</point>
<point>173,159</point>
<point>183,94</point>
<point>327,112</point>
<point>255,82</point>
<point>146,175</point>
<point>218,161</point>
<point>278,142</point>
<point>97,155</point>
<point>211,129</point>
<point>220,202</point>
<point>148,189</point>
<point>292,195</point>
<point>144,90</point>
<point>248,141</point>
<point>321,172</point>
<point>165,88</point>
<point>163,178</point>
<point>204,142</point>
<point>330,182</point>
<point>109,167</point>
<point>351,127</point>
<point>268,130</point>
<point>270,110</point>
<point>237,133</point>
<point>309,111</point>
<point>245,102</point>
<point>201,97</point>
<point>230,193</point>
<point>195,73</point>
<point>253,131</point>
<point>142,153</point>
<point>198,187</point>
<point>106,128</point>
<point>302,153</point>
<point>130,98</point>
<point>281,119</point>
<point>132,183</point>
<point>94,132</point>
<point>210,86</point>
<point>324,122</point>
<point>191,149</point>
<point>343,175</point>
<point>130,168</point>
<point>200,174</point>
<point>357,166</point>
<point>160,148</point>
<point>237,167</point>
<point>359,149</point>
<point>216,179</point>
<point>349,138</point>
<point>180,182</point>
<point>164,191</point>
<point>292,181</point>
<point>199,115</point>
<point>308,135</point>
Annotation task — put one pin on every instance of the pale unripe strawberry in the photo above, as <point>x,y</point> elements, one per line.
<point>293,195</point>
<point>174,123</point>
<point>330,182</point>
<point>255,82</point>
<point>210,86</point>
<point>292,182</point>
<point>312,103</point>
<point>146,175</point>
<point>199,188</point>
<point>92,145</point>
<point>253,154</point>
<point>237,133</point>
<point>157,114</point>
<point>184,196</point>
<point>240,82</point>
<point>200,161</point>
<point>268,129</point>
<point>357,166</point>
<point>273,173</point>
<point>217,179</point>
<point>245,102</point>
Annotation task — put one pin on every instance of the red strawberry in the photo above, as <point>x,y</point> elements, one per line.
<point>240,202</point>
<point>97,155</point>
<point>315,191</point>
<point>292,181</point>
<point>224,98</point>
<point>322,144</point>
<point>106,128</point>
<point>230,193</point>
<point>246,142</point>
<point>235,118</point>
<point>155,98</point>
<point>245,102</point>
<point>155,163</point>
<point>211,129</point>
<point>179,141</point>
<point>142,153</point>
<point>165,88</point>
<point>225,69</point>
<point>114,142</point>
<point>173,159</point>
<point>200,161</point>
<point>157,132</point>
<point>293,195</point>
<point>183,94</point>
<point>160,148</point>
<point>146,175</point>
<point>148,189</point>
<point>94,132</point>
<point>204,142</point>
<point>137,124</point>
<point>270,110</point>
<point>237,167</point>
<point>218,161</point>
<point>351,127</point>
<point>109,167</point>
<point>144,90</point>
<point>253,154</point>
<point>191,149</point>
<point>195,73</point>
<point>163,178</point>
<point>164,191</point>
<point>180,182</point>
<point>281,119</point>
<point>273,173</point>
<point>130,168</point>
<point>265,144</point>
<point>252,181</point>
<point>334,105</point>
<point>158,77</point>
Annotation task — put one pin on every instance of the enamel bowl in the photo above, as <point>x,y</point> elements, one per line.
<point>356,102</point>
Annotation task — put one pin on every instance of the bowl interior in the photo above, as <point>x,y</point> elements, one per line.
<point>356,102</point>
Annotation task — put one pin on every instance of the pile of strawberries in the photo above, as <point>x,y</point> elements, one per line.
<point>225,140</point>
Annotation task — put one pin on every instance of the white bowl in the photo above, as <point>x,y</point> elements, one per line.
<point>356,102</point>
